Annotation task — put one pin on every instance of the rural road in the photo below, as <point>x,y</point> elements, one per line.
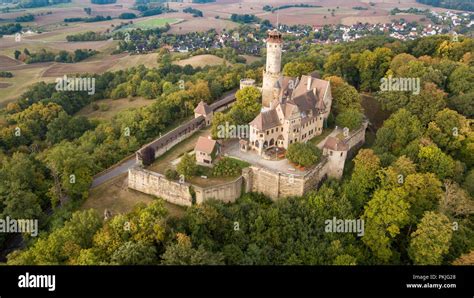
<point>122,168</point>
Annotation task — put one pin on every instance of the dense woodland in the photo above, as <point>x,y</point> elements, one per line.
<point>451,4</point>
<point>413,185</point>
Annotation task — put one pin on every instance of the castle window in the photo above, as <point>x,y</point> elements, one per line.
<point>330,153</point>
<point>268,132</point>
<point>341,153</point>
<point>282,129</point>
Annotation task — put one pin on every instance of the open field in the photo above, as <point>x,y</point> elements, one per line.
<point>7,61</point>
<point>116,197</point>
<point>202,25</point>
<point>114,106</point>
<point>22,78</point>
<point>149,60</point>
<point>151,23</point>
<point>200,60</point>
<point>101,66</point>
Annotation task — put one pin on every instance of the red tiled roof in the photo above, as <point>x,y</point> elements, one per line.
<point>205,145</point>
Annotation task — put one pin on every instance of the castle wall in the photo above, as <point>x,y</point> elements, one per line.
<point>155,184</point>
<point>282,185</point>
<point>226,192</point>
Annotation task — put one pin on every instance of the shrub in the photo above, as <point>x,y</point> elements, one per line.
<point>171,174</point>
<point>303,154</point>
<point>227,167</point>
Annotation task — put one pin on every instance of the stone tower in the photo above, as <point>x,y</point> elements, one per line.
<point>272,71</point>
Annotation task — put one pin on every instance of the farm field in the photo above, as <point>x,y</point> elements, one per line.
<point>151,23</point>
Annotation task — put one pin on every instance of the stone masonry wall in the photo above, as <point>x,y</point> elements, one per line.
<point>153,183</point>
<point>226,192</point>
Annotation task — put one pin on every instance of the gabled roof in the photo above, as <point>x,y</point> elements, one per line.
<point>335,144</point>
<point>266,120</point>
<point>202,108</point>
<point>205,145</point>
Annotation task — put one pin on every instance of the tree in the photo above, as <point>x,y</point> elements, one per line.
<point>424,193</point>
<point>373,66</point>
<point>297,69</point>
<point>349,118</point>
<point>62,245</point>
<point>303,154</point>
<point>384,215</point>
<point>465,259</point>
<point>432,159</point>
<point>461,80</point>
<point>449,130</point>
<point>187,166</point>
<point>148,155</point>
<point>426,104</point>
<point>469,182</point>
<point>344,95</point>
<point>72,170</point>
<point>463,104</point>
<point>431,240</point>
<point>134,253</point>
<point>397,133</point>
<point>247,105</point>
<point>395,175</point>
<point>182,253</point>
<point>455,201</point>
<point>364,178</point>
<point>66,127</point>
<point>220,126</point>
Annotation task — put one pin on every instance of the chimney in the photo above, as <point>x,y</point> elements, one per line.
<point>309,84</point>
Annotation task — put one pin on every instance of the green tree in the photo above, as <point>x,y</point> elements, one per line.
<point>372,66</point>
<point>431,240</point>
<point>349,118</point>
<point>134,253</point>
<point>303,154</point>
<point>344,95</point>
<point>72,170</point>
<point>397,133</point>
<point>187,166</point>
<point>247,105</point>
<point>418,104</point>
<point>297,69</point>
<point>432,159</point>
<point>461,80</point>
<point>182,253</point>
<point>364,178</point>
<point>385,214</point>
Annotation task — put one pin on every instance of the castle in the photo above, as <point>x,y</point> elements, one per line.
<point>293,110</point>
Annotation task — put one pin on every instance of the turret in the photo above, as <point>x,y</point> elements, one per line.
<point>272,70</point>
